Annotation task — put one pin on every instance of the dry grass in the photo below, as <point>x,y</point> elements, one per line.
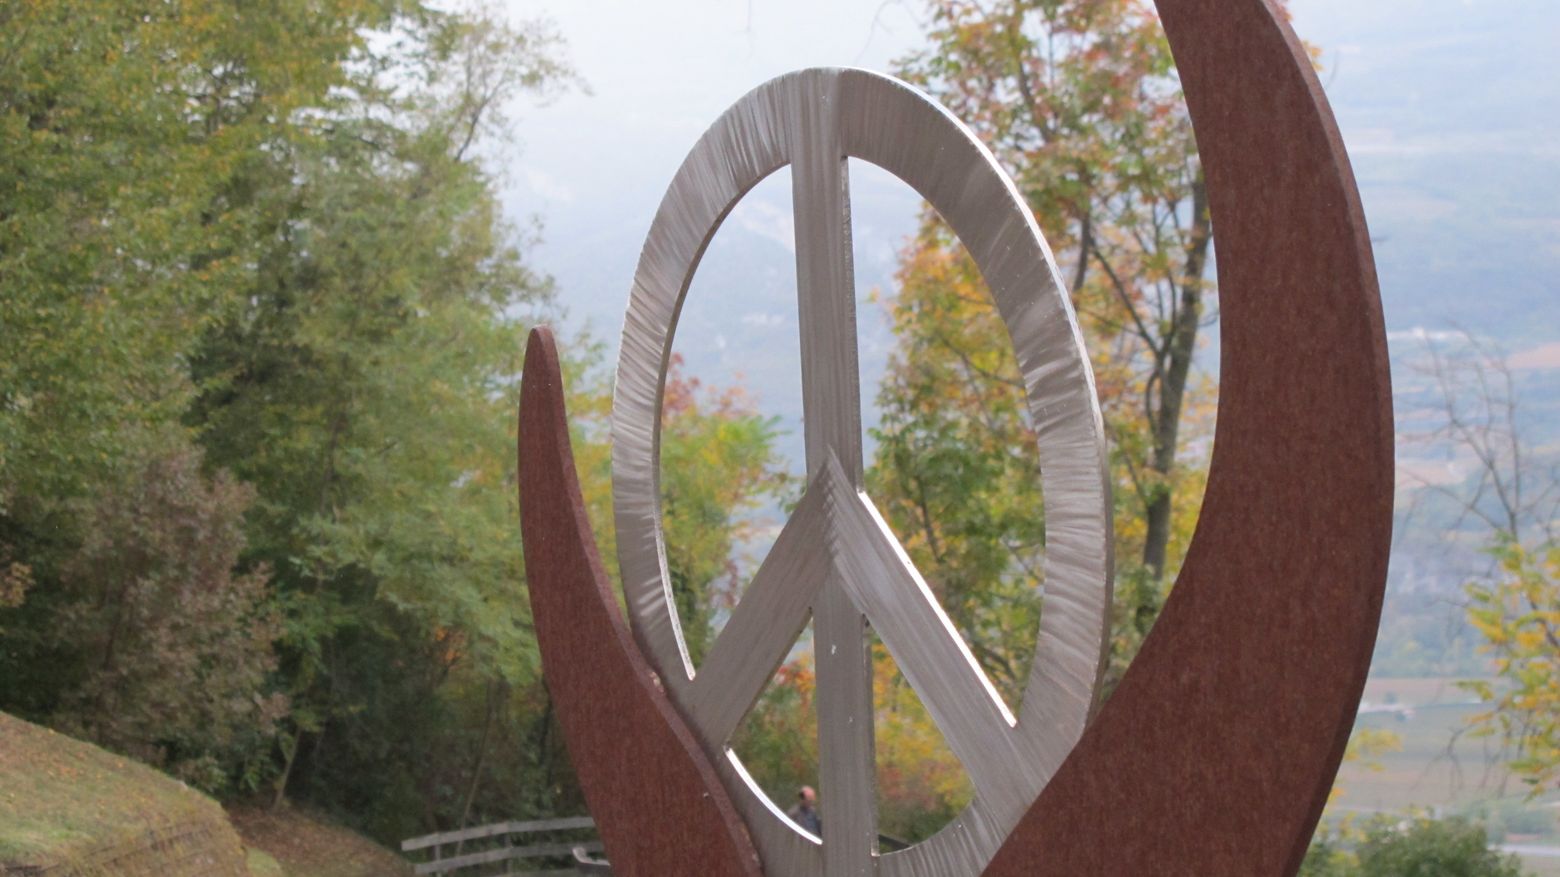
<point>302,845</point>
<point>70,809</point>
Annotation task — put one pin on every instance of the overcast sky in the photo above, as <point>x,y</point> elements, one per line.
<point>1416,84</point>
<point>1450,110</point>
<point>1448,107</point>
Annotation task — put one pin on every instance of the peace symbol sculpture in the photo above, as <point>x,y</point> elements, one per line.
<point>813,120</point>
<point>1215,752</point>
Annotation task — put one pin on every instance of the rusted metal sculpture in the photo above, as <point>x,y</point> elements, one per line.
<point>1215,754</point>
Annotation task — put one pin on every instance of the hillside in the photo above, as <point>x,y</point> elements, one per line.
<point>68,808</point>
<point>288,843</point>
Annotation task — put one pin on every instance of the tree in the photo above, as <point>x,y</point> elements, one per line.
<point>718,464</point>
<point>1519,615</point>
<point>956,468</point>
<point>1389,848</point>
<point>255,249</point>
<point>172,648</point>
<point>1078,99</point>
<point>365,381</point>
<point>1451,847</point>
<point>1510,503</point>
<point>128,130</point>
<point>266,227</point>
<point>920,784</point>
<point>778,740</point>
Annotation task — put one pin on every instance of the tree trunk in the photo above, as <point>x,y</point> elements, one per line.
<point>1179,348</point>
<point>281,782</point>
<point>476,770</point>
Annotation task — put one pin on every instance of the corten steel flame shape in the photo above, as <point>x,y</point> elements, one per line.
<point>1215,754</point>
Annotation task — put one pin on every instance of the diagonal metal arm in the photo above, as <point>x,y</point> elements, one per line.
<point>763,626</point>
<point>879,578</point>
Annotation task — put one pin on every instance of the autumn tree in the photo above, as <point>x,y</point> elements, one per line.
<point>1510,503</point>
<point>1518,612</point>
<point>1078,99</point>
<point>718,465</point>
<point>956,468</point>
<point>174,645</point>
<point>920,784</point>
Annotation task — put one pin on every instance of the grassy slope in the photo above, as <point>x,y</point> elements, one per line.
<point>71,805</point>
<point>296,845</point>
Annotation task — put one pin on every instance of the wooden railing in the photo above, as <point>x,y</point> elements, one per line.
<point>497,842</point>
<point>502,833</point>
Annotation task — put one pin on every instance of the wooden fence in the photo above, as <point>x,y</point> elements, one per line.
<point>498,839</point>
<point>497,843</point>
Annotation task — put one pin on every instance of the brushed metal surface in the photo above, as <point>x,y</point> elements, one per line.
<point>763,626</point>
<point>814,120</point>
<point>831,417</point>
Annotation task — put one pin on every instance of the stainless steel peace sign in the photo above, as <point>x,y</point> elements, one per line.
<point>835,560</point>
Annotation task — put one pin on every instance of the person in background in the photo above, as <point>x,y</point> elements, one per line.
<point>805,813</point>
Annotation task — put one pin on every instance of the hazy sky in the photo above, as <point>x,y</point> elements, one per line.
<point>595,167</point>
<point>1427,92</point>
<point>1449,109</point>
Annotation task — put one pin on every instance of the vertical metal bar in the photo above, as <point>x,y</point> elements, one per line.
<point>831,412</point>
<point>847,769</point>
<point>825,279</point>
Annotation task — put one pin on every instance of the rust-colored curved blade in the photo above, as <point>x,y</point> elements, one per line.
<point>658,803</point>
<point>1215,754</point>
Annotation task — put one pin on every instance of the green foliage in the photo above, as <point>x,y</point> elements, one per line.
<point>1519,615</point>
<point>365,379</point>
<point>1417,847</point>
<point>1448,848</point>
<point>1081,104</point>
<point>957,471</point>
<point>126,129</point>
<point>718,464</point>
<point>264,229</point>
<point>1327,858</point>
<point>264,226</point>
